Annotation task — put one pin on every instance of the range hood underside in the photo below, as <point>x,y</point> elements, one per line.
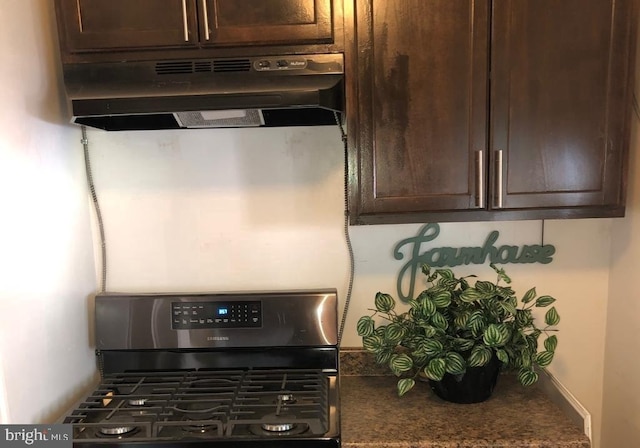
<point>157,113</point>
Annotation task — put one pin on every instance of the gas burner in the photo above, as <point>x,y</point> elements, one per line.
<point>137,402</point>
<point>286,399</point>
<point>118,431</point>
<point>279,425</point>
<point>118,427</point>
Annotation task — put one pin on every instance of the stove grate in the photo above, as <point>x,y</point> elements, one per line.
<point>205,404</point>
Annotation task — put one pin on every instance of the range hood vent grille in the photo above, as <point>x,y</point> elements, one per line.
<point>200,66</point>
<point>232,65</point>
<point>174,67</point>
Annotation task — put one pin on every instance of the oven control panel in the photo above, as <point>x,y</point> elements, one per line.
<point>204,315</point>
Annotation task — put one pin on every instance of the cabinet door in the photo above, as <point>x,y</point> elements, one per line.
<point>560,102</point>
<point>420,113</point>
<point>266,22</point>
<point>126,24</point>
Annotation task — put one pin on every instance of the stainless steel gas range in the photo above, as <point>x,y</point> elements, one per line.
<point>221,370</point>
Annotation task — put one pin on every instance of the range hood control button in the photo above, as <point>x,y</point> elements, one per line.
<point>264,64</point>
<point>282,63</point>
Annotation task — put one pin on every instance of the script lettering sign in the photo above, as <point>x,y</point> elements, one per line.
<point>451,256</point>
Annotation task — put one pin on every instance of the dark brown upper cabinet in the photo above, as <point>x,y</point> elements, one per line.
<point>91,26</point>
<point>489,110</point>
<point>241,22</point>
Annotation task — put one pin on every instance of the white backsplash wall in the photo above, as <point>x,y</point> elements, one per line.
<point>221,209</point>
<point>46,253</point>
<point>204,210</point>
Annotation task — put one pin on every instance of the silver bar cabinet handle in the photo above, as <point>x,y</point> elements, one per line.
<point>480,179</point>
<point>185,22</point>
<point>498,185</point>
<point>205,14</point>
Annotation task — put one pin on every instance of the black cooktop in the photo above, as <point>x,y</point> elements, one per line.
<point>206,405</point>
<point>219,405</point>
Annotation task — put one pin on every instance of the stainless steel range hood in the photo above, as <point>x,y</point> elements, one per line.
<point>207,93</point>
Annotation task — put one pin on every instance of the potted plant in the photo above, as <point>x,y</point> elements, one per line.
<point>459,336</point>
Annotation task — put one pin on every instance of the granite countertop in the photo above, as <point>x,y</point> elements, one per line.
<point>373,416</point>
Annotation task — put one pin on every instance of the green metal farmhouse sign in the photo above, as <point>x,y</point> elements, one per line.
<point>451,256</point>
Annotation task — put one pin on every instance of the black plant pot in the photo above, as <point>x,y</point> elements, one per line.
<point>474,386</point>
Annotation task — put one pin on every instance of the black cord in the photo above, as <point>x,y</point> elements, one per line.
<point>96,204</point>
<point>347,237</point>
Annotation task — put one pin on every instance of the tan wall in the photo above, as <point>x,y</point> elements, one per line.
<point>621,407</point>
<point>46,252</point>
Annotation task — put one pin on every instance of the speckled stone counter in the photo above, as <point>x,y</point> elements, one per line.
<point>373,416</point>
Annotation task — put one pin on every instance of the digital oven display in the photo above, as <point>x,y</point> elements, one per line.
<point>203,315</point>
